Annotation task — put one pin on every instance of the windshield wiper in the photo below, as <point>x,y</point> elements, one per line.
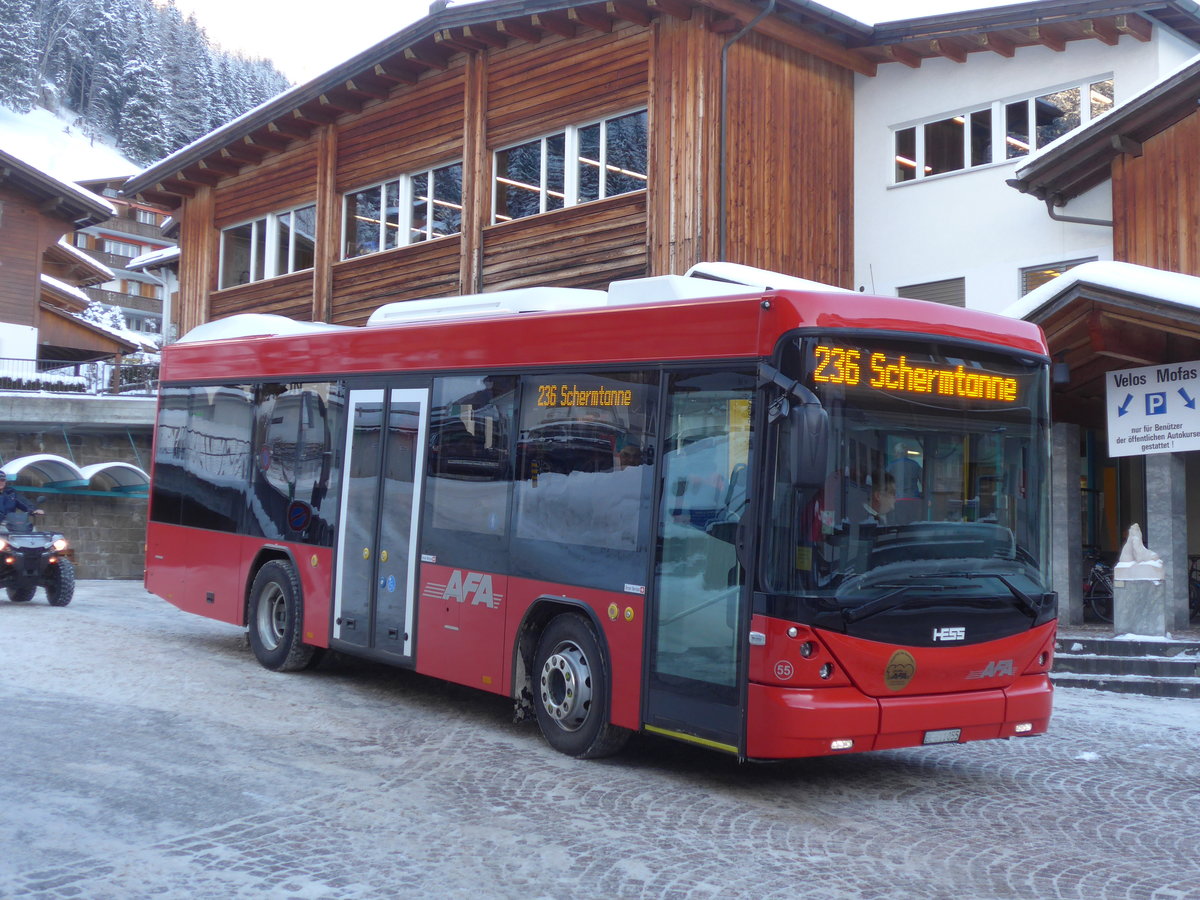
<point>1023,599</point>
<point>887,601</point>
<point>883,603</point>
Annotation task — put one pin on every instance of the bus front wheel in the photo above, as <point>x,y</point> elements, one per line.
<point>276,619</point>
<point>571,690</point>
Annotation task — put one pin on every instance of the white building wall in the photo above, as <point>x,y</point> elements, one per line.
<point>970,224</point>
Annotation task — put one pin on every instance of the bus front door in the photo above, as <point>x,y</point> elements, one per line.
<point>696,672</point>
<point>377,537</point>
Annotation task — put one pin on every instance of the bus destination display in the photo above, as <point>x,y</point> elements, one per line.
<point>855,367</point>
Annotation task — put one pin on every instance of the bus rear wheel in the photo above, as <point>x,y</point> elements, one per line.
<point>276,620</point>
<point>571,690</point>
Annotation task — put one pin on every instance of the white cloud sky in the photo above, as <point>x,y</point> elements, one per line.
<point>305,38</point>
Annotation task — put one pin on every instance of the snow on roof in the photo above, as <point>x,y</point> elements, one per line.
<point>63,288</point>
<point>88,260</point>
<point>1169,287</point>
<point>255,325</point>
<point>60,149</point>
<point>154,259</point>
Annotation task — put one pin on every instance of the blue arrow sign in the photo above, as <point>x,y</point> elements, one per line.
<point>1189,402</point>
<point>1124,407</point>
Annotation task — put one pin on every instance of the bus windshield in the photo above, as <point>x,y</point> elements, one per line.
<point>930,488</point>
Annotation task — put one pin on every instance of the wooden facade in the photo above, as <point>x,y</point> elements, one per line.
<point>1156,200</point>
<point>498,82</point>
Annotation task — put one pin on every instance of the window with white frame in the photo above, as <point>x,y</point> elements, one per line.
<point>1004,129</point>
<point>277,244</point>
<point>1035,276</point>
<point>409,209</point>
<point>607,158</point>
<point>122,248</point>
<point>146,217</point>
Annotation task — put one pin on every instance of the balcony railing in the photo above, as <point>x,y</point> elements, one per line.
<point>66,377</point>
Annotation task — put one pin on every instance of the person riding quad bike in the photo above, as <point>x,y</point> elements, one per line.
<point>31,558</point>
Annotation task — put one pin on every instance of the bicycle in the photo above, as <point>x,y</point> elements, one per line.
<point>1098,589</point>
<point>1194,587</point>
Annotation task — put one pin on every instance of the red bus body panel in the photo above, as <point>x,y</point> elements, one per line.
<point>185,565</point>
<point>457,639</point>
<point>698,329</point>
<point>985,690</point>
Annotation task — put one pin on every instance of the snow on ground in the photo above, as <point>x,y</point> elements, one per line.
<point>59,148</point>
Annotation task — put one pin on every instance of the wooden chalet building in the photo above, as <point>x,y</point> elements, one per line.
<point>41,276</point>
<point>516,142</point>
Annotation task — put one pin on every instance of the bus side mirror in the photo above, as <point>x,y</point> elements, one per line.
<point>808,444</point>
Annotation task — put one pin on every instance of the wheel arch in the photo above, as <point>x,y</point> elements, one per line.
<point>529,632</point>
<point>267,553</point>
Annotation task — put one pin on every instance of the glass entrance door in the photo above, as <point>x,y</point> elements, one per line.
<point>377,559</point>
<point>700,596</point>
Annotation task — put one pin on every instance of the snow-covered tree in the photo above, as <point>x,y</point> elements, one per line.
<point>18,56</point>
<point>104,314</point>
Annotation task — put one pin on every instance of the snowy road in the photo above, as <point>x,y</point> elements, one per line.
<point>147,755</point>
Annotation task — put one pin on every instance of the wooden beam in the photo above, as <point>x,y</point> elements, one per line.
<point>555,23</point>
<point>1135,25</point>
<point>456,41</point>
<point>724,24</point>
<point>1048,37</point>
<point>360,86</point>
<point>176,186</point>
<point>267,140</point>
<point>1115,339</point>
<point>595,18</point>
<point>948,50</point>
<point>521,29</point>
<point>680,9</point>
<point>340,105</point>
<point>244,152</point>
<point>1103,30</point>
<point>630,12</point>
<point>394,73</point>
<point>220,165</point>
<point>902,54</point>
<point>997,44</point>
<point>315,114</point>
<point>201,175</point>
<point>1123,143</point>
<point>794,36</point>
<point>485,34</point>
<point>291,128</point>
<point>431,56</point>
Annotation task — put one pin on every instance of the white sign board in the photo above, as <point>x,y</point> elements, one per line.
<point>1154,409</point>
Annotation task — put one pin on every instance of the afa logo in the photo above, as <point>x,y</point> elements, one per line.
<point>471,587</point>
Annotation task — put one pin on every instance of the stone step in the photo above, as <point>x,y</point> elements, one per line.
<point>1125,646</point>
<point>1130,684</point>
<point>1183,666</point>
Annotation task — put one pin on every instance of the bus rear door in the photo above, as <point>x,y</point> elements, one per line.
<point>377,535</point>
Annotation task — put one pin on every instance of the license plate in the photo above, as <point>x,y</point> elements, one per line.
<point>942,736</point>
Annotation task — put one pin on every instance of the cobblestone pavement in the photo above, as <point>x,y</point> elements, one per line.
<point>146,754</point>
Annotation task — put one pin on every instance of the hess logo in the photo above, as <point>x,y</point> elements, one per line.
<point>949,634</point>
<point>473,587</point>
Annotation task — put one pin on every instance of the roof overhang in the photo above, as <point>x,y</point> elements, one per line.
<point>54,197</point>
<point>66,337</point>
<point>1096,326</point>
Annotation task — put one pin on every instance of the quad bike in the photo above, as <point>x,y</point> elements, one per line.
<point>31,558</point>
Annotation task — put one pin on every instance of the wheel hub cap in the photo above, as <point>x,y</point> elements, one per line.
<point>566,686</point>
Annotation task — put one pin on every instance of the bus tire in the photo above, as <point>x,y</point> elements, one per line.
<point>276,619</point>
<point>571,684</point>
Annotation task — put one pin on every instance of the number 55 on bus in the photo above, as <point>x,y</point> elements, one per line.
<point>772,518</point>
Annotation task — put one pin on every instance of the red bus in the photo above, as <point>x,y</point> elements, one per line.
<point>775,521</point>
